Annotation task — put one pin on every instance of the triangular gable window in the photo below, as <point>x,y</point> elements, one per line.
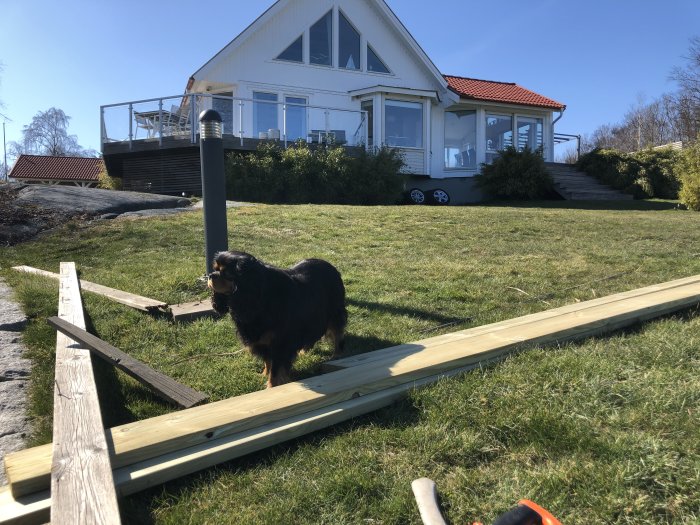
<point>348,44</point>
<point>321,40</point>
<point>295,52</point>
<point>374,63</point>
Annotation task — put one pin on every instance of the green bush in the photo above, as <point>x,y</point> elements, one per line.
<point>688,168</point>
<point>644,174</point>
<point>516,175</point>
<point>325,175</point>
<point>105,182</point>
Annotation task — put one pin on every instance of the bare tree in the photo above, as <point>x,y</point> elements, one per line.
<point>47,134</point>
<point>687,100</point>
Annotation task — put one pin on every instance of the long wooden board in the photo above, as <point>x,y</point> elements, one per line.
<point>410,348</point>
<point>81,473</point>
<point>164,386</point>
<point>151,438</point>
<point>34,508</point>
<point>129,299</point>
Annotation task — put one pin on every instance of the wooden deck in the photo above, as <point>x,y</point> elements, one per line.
<point>171,166</point>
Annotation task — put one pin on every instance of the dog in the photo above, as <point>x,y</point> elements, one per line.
<point>279,312</point>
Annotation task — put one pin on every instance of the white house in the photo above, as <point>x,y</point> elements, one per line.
<point>357,55</point>
<point>349,71</point>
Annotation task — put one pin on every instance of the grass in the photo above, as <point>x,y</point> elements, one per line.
<point>601,431</point>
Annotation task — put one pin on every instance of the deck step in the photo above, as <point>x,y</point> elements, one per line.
<point>576,185</point>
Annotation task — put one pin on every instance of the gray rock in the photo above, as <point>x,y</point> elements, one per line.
<point>14,372</point>
<point>93,201</point>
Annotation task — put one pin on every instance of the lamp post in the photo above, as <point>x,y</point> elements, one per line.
<point>211,149</point>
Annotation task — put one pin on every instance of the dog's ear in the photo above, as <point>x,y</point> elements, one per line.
<point>246,264</point>
<point>219,302</point>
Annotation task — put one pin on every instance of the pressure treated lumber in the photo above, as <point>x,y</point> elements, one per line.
<point>166,434</point>
<point>34,508</point>
<point>129,299</point>
<point>410,348</point>
<point>164,386</point>
<point>81,473</point>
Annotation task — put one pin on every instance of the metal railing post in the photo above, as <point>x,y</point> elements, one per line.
<point>240,121</point>
<point>160,122</point>
<point>284,123</point>
<point>131,125</point>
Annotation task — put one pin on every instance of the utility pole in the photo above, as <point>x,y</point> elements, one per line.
<point>4,151</point>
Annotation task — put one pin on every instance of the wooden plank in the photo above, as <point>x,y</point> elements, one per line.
<point>166,387</point>
<point>81,474</point>
<point>191,311</point>
<point>154,437</point>
<point>129,299</point>
<point>33,509</point>
<point>410,348</point>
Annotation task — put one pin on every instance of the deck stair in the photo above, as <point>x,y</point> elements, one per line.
<point>576,185</point>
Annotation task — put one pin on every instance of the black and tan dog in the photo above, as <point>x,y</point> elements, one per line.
<point>279,312</point>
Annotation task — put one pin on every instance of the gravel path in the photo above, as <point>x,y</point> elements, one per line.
<point>14,375</point>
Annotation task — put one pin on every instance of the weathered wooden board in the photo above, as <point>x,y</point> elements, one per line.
<point>129,299</point>
<point>170,433</point>
<point>164,386</point>
<point>81,473</point>
<point>191,311</point>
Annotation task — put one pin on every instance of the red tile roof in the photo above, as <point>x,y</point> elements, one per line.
<point>42,167</point>
<point>507,92</point>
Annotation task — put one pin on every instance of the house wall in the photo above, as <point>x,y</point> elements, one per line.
<point>248,64</point>
<point>251,65</point>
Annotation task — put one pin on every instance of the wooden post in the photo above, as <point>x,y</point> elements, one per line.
<point>82,485</point>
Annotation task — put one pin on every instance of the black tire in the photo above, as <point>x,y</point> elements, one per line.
<point>439,196</point>
<point>416,196</point>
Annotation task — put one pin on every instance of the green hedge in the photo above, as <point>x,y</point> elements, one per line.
<point>516,175</point>
<point>325,175</point>
<point>689,173</point>
<point>644,174</point>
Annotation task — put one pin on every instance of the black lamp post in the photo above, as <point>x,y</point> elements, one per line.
<point>211,150</point>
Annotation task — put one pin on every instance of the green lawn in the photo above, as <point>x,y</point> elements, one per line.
<point>601,431</point>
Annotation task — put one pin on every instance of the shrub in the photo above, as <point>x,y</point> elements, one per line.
<point>644,174</point>
<point>516,175</point>
<point>327,175</point>
<point>105,182</point>
<point>688,167</point>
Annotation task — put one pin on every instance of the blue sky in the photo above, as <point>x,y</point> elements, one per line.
<point>599,57</point>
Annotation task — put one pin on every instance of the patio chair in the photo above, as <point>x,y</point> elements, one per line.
<point>143,122</point>
<point>180,119</point>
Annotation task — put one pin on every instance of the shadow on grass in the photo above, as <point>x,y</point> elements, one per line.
<point>409,312</point>
<point>609,205</point>
<point>110,389</point>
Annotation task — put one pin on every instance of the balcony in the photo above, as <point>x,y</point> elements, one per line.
<point>172,122</point>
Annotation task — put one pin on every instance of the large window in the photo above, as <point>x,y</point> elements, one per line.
<point>296,118</point>
<point>529,133</point>
<point>460,139</point>
<point>225,108</point>
<point>264,112</point>
<point>321,38</point>
<point>499,135</point>
<point>404,124</point>
<point>348,44</point>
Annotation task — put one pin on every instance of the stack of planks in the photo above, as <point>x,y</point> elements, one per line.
<point>152,451</point>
